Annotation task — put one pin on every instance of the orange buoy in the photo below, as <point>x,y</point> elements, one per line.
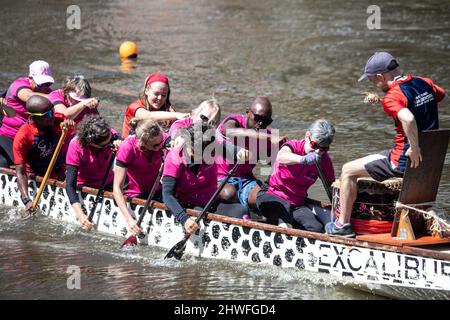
<point>128,50</point>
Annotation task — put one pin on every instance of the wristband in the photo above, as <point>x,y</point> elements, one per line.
<point>25,200</point>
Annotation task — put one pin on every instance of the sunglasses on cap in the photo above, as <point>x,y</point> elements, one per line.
<point>314,145</point>
<point>48,114</point>
<point>261,119</point>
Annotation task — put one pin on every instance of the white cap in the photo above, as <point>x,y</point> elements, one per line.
<point>40,72</point>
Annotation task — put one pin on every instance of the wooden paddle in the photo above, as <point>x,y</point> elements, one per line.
<point>325,185</point>
<point>101,189</point>
<point>49,170</point>
<point>177,250</point>
<point>132,240</point>
<point>324,181</point>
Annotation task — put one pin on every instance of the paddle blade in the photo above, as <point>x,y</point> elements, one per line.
<point>27,214</point>
<point>177,250</point>
<point>131,241</point>
<point>7,111</point>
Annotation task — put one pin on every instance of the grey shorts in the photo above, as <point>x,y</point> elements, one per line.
<point>379,166</point>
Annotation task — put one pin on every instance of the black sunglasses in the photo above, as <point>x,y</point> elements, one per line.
<point>44,85</point>
<point>261,119</point>
<point>316,146</point>
<point>204,118</point>
<point>104,143</point>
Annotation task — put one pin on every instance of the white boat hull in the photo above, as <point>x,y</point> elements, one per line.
<point>350,260</point>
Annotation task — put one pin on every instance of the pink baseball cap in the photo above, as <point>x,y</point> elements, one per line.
<point>40,72</point>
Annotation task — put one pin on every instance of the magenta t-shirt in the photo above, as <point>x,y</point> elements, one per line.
<point>142,169</point>
<point>191,189</point>
<point>291,182</point>
<point>224,166</point>
<point>179,124</point>
<point>91,163</point>
<point>57,96</point>
<point>10,126</point>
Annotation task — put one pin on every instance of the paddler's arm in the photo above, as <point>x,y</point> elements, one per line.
<point>76,109</point>
<point>232,130</point>
<point>261,134</point>
<point>410,127</point>
<point>25,93</point>
<point>159,116</point>
<point>120,172</point>
<point>21,149</point>
<point>71,189</point>
<point>171,202</point>
<point>287,157</point>
<point>22,183</point>
<point>241,132</point>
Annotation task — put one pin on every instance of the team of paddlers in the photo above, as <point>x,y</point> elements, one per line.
<point>198,149</point>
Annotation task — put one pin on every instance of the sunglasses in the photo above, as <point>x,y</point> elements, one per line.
<point>44,85</point>
<point>106,143</point>
<point>261,119</point>
<point>314,145</point>
<point>48,114</point>
<point>204,118</point>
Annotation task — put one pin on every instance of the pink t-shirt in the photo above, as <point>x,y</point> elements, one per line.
<point>244,170</point>
<point>142,169</point>
<point>179,124</point>
<point>10,126</point>
<point>191,189</point>
<point>91,163</point>
<point>291,182</point>
<point>57,97</point>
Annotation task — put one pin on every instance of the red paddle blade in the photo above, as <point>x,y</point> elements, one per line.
<point>131,241</point>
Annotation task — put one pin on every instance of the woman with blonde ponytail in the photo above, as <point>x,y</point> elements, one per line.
<point>138,159</point>
<point>207,113</point>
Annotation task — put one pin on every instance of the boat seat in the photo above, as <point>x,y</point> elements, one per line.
<point>371,186</point>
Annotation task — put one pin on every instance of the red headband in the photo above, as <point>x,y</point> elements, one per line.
<point>156,77</point>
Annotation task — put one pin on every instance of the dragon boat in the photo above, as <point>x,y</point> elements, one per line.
<point>408,262</point>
